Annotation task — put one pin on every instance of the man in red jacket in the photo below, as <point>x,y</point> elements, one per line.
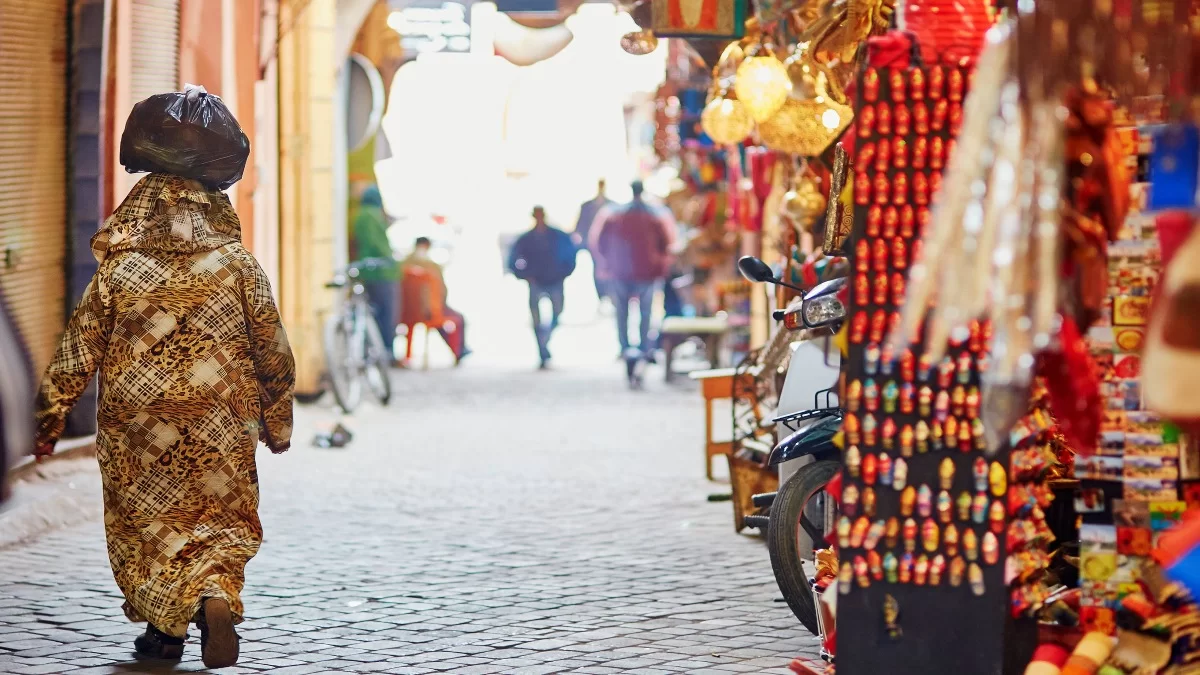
<point>632,246</point>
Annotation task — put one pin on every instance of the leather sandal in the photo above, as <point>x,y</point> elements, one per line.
<point>219,642</point>
<point>155,644</point>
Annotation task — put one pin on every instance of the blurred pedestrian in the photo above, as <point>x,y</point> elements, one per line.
<point>379,281</point>
<point>452,325</point>
<point>583,229</point>
<point>17,389</point>
<point>633,244</point>
<point>544,257</point>
<point>195,370</point>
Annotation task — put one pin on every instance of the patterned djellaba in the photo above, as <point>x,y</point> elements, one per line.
<point>194,370</point>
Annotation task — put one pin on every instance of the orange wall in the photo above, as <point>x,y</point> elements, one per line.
<point>200,41</point>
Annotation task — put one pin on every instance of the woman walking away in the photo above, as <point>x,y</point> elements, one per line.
<point>194,370</point>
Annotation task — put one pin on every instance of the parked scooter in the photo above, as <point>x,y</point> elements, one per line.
<point>802,512</point>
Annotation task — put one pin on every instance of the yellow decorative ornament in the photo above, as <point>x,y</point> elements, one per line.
<point>762,82</point>
<point>726,120</point>
<point>804,203</point>
<point>815,113</point>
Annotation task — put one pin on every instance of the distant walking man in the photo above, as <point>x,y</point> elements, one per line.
<point>544,257</point>
<point>632,244</point>
<point>583,229</point>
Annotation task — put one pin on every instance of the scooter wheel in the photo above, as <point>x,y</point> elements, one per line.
<point>785,530</point>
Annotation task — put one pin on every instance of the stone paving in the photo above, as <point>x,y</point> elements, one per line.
<point>492,520</point>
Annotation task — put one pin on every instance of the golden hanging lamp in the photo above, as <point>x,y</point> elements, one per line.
<point>762,81</point>
<point>815,112</point>
<point>725,119</point>
<point>803,204</point>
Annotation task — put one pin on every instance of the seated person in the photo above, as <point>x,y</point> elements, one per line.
<point>452,325</point>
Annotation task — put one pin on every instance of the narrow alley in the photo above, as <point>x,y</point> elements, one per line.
<point>492,520</point>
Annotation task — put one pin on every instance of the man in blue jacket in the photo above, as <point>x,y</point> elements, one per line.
<point>544,257</point>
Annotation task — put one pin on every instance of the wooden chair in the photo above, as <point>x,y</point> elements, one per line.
<point>420,305</point>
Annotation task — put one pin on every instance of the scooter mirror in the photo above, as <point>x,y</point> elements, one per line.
<point>755,270</point>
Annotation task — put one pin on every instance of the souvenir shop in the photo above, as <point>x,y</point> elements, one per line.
<point>987,212</point>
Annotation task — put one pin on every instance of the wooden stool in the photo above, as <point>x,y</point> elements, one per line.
<point>717,385</point>
<point>678,329</point>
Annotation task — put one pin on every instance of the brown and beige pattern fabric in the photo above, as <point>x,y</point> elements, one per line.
<point>194,369</point>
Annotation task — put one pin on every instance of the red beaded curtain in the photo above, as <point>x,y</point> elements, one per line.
<point>948,31</point>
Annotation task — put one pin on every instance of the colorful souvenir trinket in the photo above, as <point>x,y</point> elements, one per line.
<point>865,121</point>
<point>891,393</point>
<point>907,366</point>
<point>850,500</point>
<point>883,158</point>
<point>875,565</point>
<point>870,395</point>
<point>917,83</point>
<point>891,568</point>
<point>843,532</point>
<point>950,540</point>
<point>979,508</point>
<point>858,326</point>
<point>941,111</point>
<point>996,516</point>
<point>882,188</point>
<point>883,120</point>
<point>869,427</point>
<point>970,544</point>
<point>906,439</point>
<point>891,532</point>
<point>908,221</point>
<point>925,401</point>
<point>924,501</point>
<point>972,403</point>
<point>874,220</point>
<point>853,454</point>
<point>870,84</point>
<point>920,116</point>
<point>957,567</point>
<point>900,261</point>
<point>907,394</point>
<point>900,473</point>
<point>908,499</point>
<point>937,82</point>
<point>935,437</point>
<point>956,84</point>
<point>922,437</point>
<point>964,506</point>
<point>945,372</point>
<point>870,363</point>
<point>861,572</point>
<point>910,535</point>
<point>889,427</point>
<point>958,401</point>
<point>896,83</point>
<point>870,467</point>
<point>977,432</point>
<point>906,568</point>
<point>887,360</point>
<point>941,405</point>
<point>937,568</point>
<point>980,471</point>
<point>868,502</point>
<point>919,158</point>
<point>845,578</point>
<point>998,479</point>
<point>975,576</point>
<point>900,188</point>
<point>937,156</point>
<point>862,188</point>
<point>878,325</point>
<point>964,436</point>
<point>945,507</point>
<point>885,469</point>
<point>854,392</point>
<point>903,124</point>
<point>921,571</point>
<point>874,534</point>
<point>963,369</point>
<point>991,548</point>
<point>881,289</point>
<point>859,532</point>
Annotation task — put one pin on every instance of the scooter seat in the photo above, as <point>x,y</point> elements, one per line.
<point>815,440</point>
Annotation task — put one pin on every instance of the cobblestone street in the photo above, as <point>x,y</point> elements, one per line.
<point>492,520</point>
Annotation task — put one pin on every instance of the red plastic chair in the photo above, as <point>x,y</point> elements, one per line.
<point>420,305</point>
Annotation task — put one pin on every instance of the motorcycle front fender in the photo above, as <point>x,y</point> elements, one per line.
<point>815,440</point>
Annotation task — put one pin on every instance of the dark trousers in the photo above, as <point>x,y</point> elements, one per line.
<point>541,330</point>
<point>382,295</point>
<point>625,292</point>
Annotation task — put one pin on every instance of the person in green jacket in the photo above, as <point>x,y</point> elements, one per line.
<point>371,241</point>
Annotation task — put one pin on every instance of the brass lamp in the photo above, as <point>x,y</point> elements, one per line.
<point>725,118</point>
<point>762,80</point>
<point>814,113</point>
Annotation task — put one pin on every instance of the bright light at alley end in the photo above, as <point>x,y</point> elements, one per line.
<point>428,27</point>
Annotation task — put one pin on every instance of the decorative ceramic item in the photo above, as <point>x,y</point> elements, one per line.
<point>698,18</point>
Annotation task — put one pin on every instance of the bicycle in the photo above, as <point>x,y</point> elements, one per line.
<point>354,347</point>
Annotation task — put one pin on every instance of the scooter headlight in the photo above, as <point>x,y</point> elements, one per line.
<point>823,311</point>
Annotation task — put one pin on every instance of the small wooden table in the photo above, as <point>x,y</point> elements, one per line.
<point>717,385</point>
<point>678,329</point>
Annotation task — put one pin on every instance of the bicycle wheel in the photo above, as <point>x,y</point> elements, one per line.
<point>339,359</point>
<point>783,535</point>
<point>377,368</point>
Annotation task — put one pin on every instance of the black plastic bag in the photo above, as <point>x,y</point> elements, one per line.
<point>190,134</point>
